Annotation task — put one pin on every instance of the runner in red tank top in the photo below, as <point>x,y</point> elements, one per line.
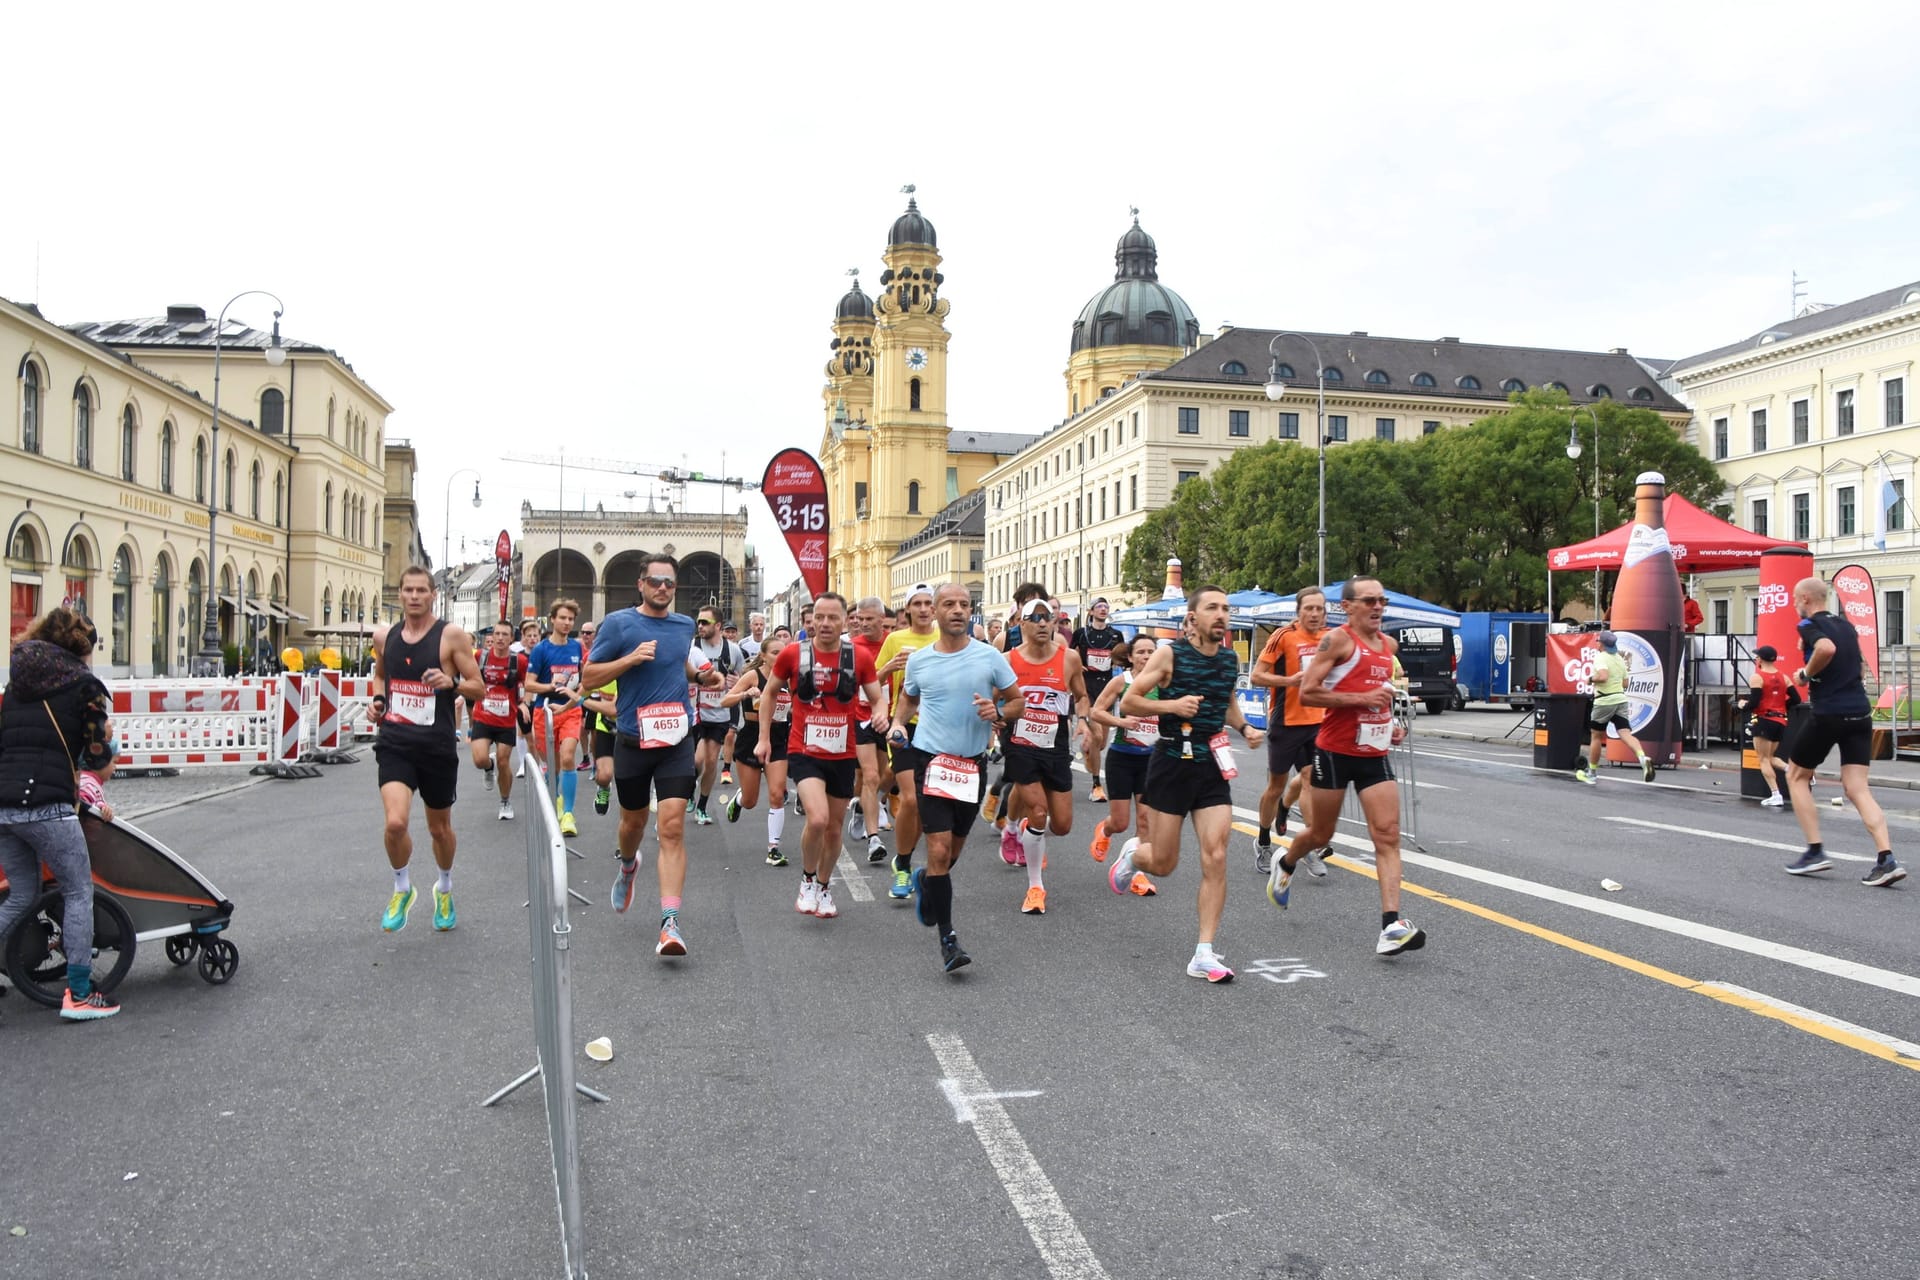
<point>1767,703</point>
<point>1039,747</point>
<point>1352,676</point>
<point>493,727</point>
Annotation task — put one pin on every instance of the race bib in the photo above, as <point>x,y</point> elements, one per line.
<point>1147,737</point>
<point>409,702</point>
<point>664,724</point>
<point>953,778</point>
<point>1036,728</point>
<point>494,704</point>
<point>782,709</point>
<point>710,698</point>
<point>825,737</point>
<point>1374,736</point>
<point>1222,748</point>
<point>1099,659</point>
<point>566,677</point>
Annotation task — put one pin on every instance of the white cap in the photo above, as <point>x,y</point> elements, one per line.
<point>919,589</point>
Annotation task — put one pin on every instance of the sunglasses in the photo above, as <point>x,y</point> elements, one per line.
<point>1371,601</point>
<point>656,580</point>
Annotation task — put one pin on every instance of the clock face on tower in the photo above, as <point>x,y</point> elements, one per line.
<point>916,358</point>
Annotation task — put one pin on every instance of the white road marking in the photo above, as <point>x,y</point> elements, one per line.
<point>1904,1047</point>
<point>962,1101</point>
<point>849,875</point>
<point>1055,1234</point>
<point>1721,835</point>
<point>1283,969</point>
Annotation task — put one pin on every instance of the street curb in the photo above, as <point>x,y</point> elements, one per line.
<point>131,814</point>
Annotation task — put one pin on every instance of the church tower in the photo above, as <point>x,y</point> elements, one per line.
<point>847,400</point>
<point>909,420</point>
<point>1133,326</point>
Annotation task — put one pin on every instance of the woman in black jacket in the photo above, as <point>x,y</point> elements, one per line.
<point>53,722</point>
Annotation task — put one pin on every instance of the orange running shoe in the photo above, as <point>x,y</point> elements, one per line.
<point>1101,842</point>
<point>1141,886</point>
<point>1036,903</point>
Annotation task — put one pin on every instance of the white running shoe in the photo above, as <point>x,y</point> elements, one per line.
<point>823,903</point>
<point>1316,867</point>
<point>808,903</point>
<point>1399,936</point>
<point>1774,801</point>
<point>506,811</point>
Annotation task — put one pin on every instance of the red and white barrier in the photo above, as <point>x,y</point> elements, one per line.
<point>194,724</point>
<point>329,732</point>
<point>292,701</point>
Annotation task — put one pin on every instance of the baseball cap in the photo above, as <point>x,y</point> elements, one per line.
<point>1767,653</point>
<point>918,589</point>
<point>1097,602</point>
<point>1608,640</point>
<point>1035,608</point>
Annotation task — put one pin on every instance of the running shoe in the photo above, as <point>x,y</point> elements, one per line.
<point>808,903</point>
<point>1011,851</point>
<point>733,808</point>
<point>1036,903</point>
<point>623,885</point>
<point>1808,863</point>
<point>398,908</point>
<point>1102,842</point>
<point>568,827</point>
<point>876,852</point>
<point>1585,775</point>
<point>951,956</point>
<point>990,807</point>
<point>1885,872</point>
<point>726,777</point>
<point>1279,884</point>
<point>1211,967</point>
<point>917,883</point>
<point>799,810</point>
<point>1774,801</point>
<point>443,913</point>
<point>886,815</point>
<point>88,1008</point>
<point>1399,936</point>
<point>1098,795</point>
<point>671,943</point>
<point>1263,858</point>
<point>1120,874</point>
<point>902,885</point>
<point>823,903</point>
<point>700,816</point>
<point>488,771</point>
<point>506,811</point>
<point>856,821</point>
<point>1646,769</point>
<point>602,798</point>
<point>775,858</point>
<point>1141,886</point>
<point>1316,863</point>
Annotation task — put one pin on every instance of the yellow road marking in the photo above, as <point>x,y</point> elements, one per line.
<point>1710,990</point>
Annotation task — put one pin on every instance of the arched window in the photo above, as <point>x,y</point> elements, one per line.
<point>29,405</point>
<point>122,653</point>
<point>229,469</point>
<point>1600,391</point>
<point>126,444</point>
<point>26,546</point>
<point>326,605</point>
<point>329,417</point>
<point>200,469</point>
<point>1377,377</point>
<point>83,426</point>
<point>328,508</point>
<point>1283,369</point>
<point>1557,386</point>
<point>1334,375</point>
<point>1467,382</point>
<point>1233,369</point>
<point>253,489</point>
<point>279,497</point>
<point>166,457</point>
<point>1424,380</point>
<point>273,411</point>
<point>913,394</point>
<point>1513,384</point>
<point>913,497</point>
<point>1640,393</point>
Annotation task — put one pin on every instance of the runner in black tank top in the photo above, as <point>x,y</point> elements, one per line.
<point>415,684</point>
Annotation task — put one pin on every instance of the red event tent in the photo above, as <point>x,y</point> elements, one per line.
<point>1702,542</point>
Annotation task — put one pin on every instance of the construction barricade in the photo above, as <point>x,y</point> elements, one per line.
<point>171,725</point>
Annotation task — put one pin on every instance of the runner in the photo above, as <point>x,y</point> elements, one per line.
<point>806,621</point>
<point>899,647</point>
<point>1609,708</point>
<point>955,693</point>
<point>1008,639</point>
<point>1291,726</point>
<point>602,706</point>
<point>1352,676</point>
<point>554,677</point>
<point>776,762</point>
<point>413,697</point>
<point>1767,702</point>
<point>1129,754</point>
<point>494,733</point>
<point>648,651</point>
<point>756,635</point>
<point>868,631</point>
<point>1040,748</point>
<point>1842,717</point>
<point>745,691</point>
<point>716,719</point>
<point>730,631</point>
<point>827,678</point>
<point>1192,765</point>
<point>1098,646</point>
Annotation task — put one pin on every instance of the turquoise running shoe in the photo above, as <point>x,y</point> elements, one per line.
<point>398,908</point>
<point>902,884</point>
<point>443,915</point>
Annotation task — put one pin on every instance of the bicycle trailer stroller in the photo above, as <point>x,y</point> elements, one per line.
<point>142,890</point>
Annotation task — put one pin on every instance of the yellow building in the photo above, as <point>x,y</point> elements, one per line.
<point>401,545</point>
<point>950,549</point>
<point>1147,416</point>
<point>890,458</point>
<point>1805,420</point>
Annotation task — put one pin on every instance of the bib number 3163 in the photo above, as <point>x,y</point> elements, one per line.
<point>954,778</point>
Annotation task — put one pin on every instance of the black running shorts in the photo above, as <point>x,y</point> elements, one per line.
<point>1125,773</point>
<point>480,731</point>
<point>839,775</point>
<point>1852,734</point>
<point>642,773</point>
<point>1290,748</point>
<point>1181,787</point>
<point>1333,771</point>
<point>938,814</point>
<point>1771,730</point>
<point>1053,770</point>
<point>434,774</point>
<point>745,743</point>
<point>712,731</point>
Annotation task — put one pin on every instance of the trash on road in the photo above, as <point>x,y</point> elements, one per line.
<point>600,1050</point>
<point>17,1231</point>
<point>130,1177</point>
<point>1612,886</point>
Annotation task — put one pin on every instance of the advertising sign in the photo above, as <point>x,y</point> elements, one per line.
<point>796,490</point>
<point>503,565</point>
<point>1854,600</point>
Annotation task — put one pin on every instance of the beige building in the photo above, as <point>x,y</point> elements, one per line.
<point>950,549</point>
<point>1807,420</point>
<point>111,463</point>
<point>890,458</point>
<point>596,557</point>
<point>401,545</point>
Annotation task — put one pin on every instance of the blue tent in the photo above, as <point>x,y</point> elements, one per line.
<point>1402,611</point>
<point>1168,613</point>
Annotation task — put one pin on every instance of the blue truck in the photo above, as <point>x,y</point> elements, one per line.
<point>1502,657</point>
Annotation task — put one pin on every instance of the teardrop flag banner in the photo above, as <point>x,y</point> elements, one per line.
<point>796,489</point>
<point>1857,604</point>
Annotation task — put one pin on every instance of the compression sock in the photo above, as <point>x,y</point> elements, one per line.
<point>401,880</point>
<point>903,861</point>
<point>569,786</point>
<point>1035,843</point>
<point>1266,835</point>
<point>776,822</point>
<point>445,881</point>
<point>704,796</point>
<point>936,894</point>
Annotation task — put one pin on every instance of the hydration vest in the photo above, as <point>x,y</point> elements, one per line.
<point>846,689</point>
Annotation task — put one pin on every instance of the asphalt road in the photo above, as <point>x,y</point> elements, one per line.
<point>1704,1074</point>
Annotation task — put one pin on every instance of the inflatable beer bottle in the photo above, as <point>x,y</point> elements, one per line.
<point>1647,616</point>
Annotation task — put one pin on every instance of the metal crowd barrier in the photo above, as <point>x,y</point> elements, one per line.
<point>1401,757</point>
<point>549,934</point>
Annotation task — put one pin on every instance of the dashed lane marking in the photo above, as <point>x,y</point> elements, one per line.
<point>1722,835</point>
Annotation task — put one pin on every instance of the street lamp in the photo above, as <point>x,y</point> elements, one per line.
<point>1573,451</point>
<point>209,661</point>
<point>1276,388</point>
<point>446,534</point>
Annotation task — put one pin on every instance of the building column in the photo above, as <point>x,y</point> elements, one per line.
<point>599,601</point>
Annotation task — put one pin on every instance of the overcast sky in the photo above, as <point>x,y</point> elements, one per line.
<point>624,229</point>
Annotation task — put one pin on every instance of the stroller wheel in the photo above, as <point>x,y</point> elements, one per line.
<point>218,961</point>
<point>38,966</point>
<point>182,947</point>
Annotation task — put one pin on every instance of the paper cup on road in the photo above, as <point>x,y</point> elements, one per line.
<point>1612,886</point>
<point>600,1050</point>
<point>1835,802</point>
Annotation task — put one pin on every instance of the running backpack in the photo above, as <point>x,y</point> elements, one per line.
<point>807,691</point>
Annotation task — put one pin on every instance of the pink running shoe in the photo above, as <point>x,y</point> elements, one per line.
<point>1012,852</point>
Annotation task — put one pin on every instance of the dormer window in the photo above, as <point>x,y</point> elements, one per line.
<point>1234,369</point>
<point>1423,380</point>
<point>1513,384</point>
<point>1377,377</point>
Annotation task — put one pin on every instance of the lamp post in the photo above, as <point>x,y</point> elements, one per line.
<point>1573,451</point>
<point>1276,388</point>
<point>208,661</point>
<point>446,534</point>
